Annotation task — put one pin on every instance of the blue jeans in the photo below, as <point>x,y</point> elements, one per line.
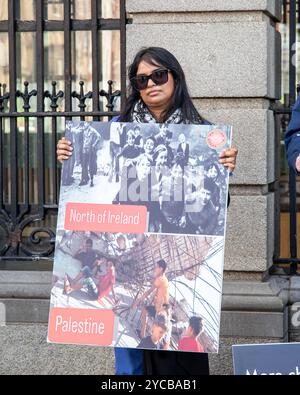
<point>129,361</point>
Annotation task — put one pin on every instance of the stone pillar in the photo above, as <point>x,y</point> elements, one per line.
<point>230,51</point>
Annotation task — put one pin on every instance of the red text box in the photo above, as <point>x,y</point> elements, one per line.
<point>81,326</point>
<point>105,218</point>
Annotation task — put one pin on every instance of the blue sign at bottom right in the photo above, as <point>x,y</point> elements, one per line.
<point>267,359</point>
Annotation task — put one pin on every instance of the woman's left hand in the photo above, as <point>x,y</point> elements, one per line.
<point>228,158</point>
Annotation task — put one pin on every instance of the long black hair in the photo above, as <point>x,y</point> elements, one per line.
<point>181,99</point>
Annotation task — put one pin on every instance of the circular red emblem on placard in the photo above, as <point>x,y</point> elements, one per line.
<point>216,138</point>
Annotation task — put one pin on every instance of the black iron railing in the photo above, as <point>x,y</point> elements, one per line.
<point>29,192</point>
<point>15,216</point>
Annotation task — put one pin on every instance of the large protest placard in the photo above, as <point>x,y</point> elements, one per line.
<point>140,237</point>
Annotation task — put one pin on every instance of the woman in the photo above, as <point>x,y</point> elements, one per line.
<point>158,93</point>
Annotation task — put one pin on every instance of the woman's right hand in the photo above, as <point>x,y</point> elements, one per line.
<point>64,149</point>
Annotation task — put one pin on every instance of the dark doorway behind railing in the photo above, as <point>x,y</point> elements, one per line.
<point>32,120</point>
<point>286,255</point>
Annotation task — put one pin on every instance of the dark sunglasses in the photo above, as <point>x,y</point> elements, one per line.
<point>159,77</point>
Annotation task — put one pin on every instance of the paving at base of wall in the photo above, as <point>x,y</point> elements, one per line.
<point>24,351</point>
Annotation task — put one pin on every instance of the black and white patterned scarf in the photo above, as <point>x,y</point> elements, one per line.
<point>141,114</point>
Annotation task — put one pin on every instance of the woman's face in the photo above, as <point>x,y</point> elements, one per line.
<point>162,158</point>
<point>177,172</point>
<point>155,95</point>
<point>205,196</point>
<point>130,139</point>
<point>212,172</point>
<point>149,146</point>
